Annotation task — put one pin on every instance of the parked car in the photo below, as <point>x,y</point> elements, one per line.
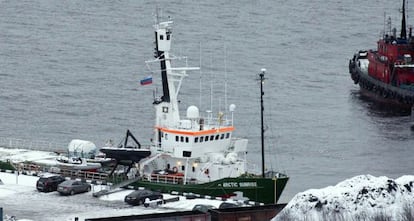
<point>71,187</point>
<point>49,182</point>
<point>138,197</point>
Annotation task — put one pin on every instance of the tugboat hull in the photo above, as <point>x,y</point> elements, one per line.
<point>380,90</point>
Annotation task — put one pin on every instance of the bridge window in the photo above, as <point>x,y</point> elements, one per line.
<point>186,139</point>
<point>182,139</point>
<point>222,136</point>
<point>168,36</point>
<point>161,37</point>
<point>176,138</point>
<point>201,139</point>
<point>212,137</point>
<point>217,137</point>
<point>196,140</point>
<point>206,139</point>
<point>227,135</point>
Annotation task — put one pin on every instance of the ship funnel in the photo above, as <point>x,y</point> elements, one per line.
<point>403,25</point>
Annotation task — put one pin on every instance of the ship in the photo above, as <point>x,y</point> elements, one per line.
<point>196,154</point>
<point>387,73</point>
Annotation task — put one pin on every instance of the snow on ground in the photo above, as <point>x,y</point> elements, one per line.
<point>10,190</point>
<point>19,197</point>
<point>359,198</point>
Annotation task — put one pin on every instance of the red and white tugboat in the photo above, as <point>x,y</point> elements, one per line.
<point>388,72</point>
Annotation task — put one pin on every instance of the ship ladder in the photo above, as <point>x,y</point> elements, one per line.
<point>116,187</point>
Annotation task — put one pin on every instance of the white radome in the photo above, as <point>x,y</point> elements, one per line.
<point>193,112</point>
<point>232,107</point>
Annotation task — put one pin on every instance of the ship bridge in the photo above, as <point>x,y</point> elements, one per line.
<point>196,136</point>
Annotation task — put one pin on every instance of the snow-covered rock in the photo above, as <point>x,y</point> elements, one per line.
<point>363,197</point>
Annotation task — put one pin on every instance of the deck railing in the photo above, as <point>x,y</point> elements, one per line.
<point>31,168</point>
<point>166,179</point>
<point>40,145</point>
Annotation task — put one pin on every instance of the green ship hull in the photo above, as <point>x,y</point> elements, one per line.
<point>257,189</point>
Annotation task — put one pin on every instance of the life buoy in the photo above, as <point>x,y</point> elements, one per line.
<point>175,169</point>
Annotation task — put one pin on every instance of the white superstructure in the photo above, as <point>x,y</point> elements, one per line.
<point>199,148</point>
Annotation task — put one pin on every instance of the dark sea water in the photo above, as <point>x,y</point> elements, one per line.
<point>71,70</point>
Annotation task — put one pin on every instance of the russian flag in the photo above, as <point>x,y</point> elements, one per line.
<point>147,80</point>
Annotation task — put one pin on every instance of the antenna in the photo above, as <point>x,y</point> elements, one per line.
<point>225,77</point>
<point>200,81</point>
<point>261,75</point>
<point>157,15</point>
<point>403,34</point>
<point>389,24</point>
<point>385,22</point>
<point>407,15</point>
<point>211,83</point>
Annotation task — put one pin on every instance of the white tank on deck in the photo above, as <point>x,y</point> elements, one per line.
<point>81,148</point>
